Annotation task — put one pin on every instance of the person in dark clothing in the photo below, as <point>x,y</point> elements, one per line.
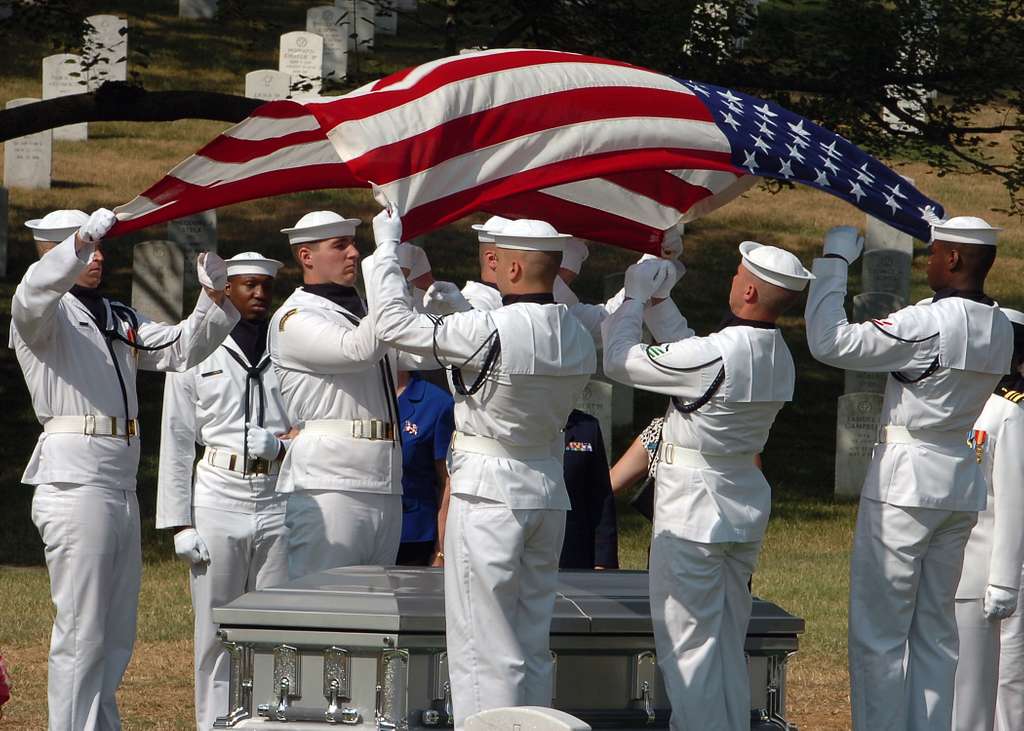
<point>591,535</point>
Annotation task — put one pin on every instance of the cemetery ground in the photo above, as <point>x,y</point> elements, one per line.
<point>804,564</point>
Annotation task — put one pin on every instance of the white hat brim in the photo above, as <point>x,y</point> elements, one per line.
<point>974,236</point>
<point>308,234</point>
<point>792,282</point>
<point>262,267</point>
<point>531,243</point>
<point>45,233</point>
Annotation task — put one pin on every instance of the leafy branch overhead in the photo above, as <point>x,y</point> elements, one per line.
<point>931,80</point>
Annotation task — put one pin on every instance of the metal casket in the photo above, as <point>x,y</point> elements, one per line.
<point>365,646</point>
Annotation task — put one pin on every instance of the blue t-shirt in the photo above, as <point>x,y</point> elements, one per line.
<point>426,418</point>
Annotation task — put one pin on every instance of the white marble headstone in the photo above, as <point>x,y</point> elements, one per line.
<point>332,24</point>
<point>267,84</point>
<point>301,56</point>
<point>28,159</point>
<point>363,14</point>
<point>63,76</point>
<point>158,269</point>
<point>197,9</point>
<point>856,434</point>
<point>105,49</point>
<point>386,18</point>
<point>194,234</point>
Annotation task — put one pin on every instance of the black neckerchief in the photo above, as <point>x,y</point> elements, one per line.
<point>972,295</point>
<point>540,298</point>
<point>251,338</point>
<point>92,300</point>
<point>492,285</point>
<point>732,320</point>
<point>339,294</point>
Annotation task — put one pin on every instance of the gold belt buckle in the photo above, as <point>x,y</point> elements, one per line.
<point>133,427</point>
<point>260,466</point>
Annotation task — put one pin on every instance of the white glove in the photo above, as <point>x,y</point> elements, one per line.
<point>98,225</point>
<point>190,547</point>
<point>672,243</point>
<point>678,270</point>
<point>644,278</point>
<point>445,298</point>
<point>262,443</point>
<point>212,271</point>
<point>387,227</point>
<point>574,254</point>
<point>844,241</point>
<point>1000,602</point>
<point>413,258</point>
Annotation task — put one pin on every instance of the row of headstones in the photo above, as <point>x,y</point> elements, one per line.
<point>28,160</point>
<point>885,285</point>
<point>307,58</point>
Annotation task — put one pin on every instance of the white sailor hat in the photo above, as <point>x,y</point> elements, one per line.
<point>57,225</point>
<point>965,230</point>
<point>486,230</point>
<point>530,235</point>
<point>775,266</point>
<point>249,262</point>
<point>1014,316</point>
<point>320,225</point>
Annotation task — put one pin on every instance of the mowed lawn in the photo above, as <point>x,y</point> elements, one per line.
<point>803,568</point>
<point>804,564</point>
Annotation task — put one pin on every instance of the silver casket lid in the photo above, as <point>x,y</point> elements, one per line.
<point>397,599</point>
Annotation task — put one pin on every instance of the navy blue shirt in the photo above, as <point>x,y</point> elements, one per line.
<point>591,536</point>
<point>426,418</point>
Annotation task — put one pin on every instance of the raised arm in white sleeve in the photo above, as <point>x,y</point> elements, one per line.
<point>178,435</point>
<point>46,281</point>
<point>1008,488</point>
<point>903,340</point>
<point>315,343</point>
<point>456,337</point>
<point>198,336</point>
<point>694,361</point>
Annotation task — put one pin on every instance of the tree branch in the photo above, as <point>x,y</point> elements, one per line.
<point>123,102</point>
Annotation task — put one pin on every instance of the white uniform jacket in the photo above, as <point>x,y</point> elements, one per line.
<point>545,361</point>
<point>206,404</point>
<point>72,369</point>
<point>995,550</point>
<point>960,347</point>
<point>729,500</point>
<point>331,367</point>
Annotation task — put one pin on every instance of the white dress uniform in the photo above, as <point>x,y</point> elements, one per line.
<point>922,493</point>
<point>1010,696</point>
<point>712,502</point>
<point>232,503</point>
<point>507,515</point>
<point>994,556</point>
<point>82,382</point>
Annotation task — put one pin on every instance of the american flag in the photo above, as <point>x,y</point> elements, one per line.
<point>601,149</point>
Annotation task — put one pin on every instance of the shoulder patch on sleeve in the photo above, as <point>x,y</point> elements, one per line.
<point>284,319</point>
<point>675,360</point>
<point>909,325</point>
<point>1011,395</point>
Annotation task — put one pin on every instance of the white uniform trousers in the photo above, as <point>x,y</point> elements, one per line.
<point>500,579</point>
<point>977,669</point>
<point>331,528</point>
<point>247,551</point>
<point>94,556</point>
<point>904,573</point>
<point>1010,695</point>
<point>700,608</point>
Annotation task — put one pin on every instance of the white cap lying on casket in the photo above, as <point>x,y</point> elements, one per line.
<point>486,230</point>
<point>250,262</point>
<point>529,235</point>
<point>775,266</point>
<point>320,225</point>
<point>57,225</point>
<point>965,230</point>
